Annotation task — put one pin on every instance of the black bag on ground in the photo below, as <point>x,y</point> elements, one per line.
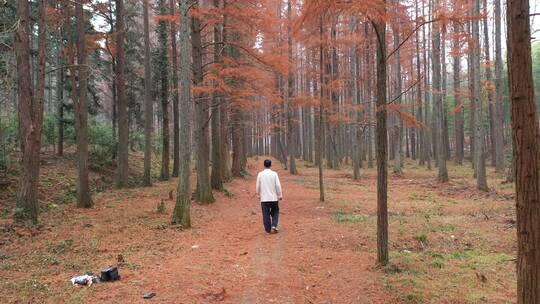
<point>109,274</point>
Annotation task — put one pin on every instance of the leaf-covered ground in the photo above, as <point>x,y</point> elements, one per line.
<point>449,244</point>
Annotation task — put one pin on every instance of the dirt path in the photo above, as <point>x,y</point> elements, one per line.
<point>225,258</point>
<point>441,238</point>
<point>228,258</point>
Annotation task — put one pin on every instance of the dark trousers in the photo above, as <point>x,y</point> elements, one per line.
<point>270,211</point>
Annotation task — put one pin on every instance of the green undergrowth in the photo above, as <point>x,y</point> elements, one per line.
<point>432,276</point>
<point>344,217</point>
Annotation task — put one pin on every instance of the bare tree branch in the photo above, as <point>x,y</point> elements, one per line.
<point>409,36</point>
<point>407,90</point>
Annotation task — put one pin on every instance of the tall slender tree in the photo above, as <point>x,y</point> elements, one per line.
<point>419,103</point>
<point>382,145</point>
<point>526,149</point>
<point>492,110</point>
<point>217,100</point>
<point>123,124</point>
<point>30,108</point>
<point>224,114</point>
<point>398,127</point>
<point>291,128</point>
<point>499,113</point>
<point>175,94</point>
<point>182,214</point>
<point>437,88</point>
<point>237,167</point>
<point>203,193</point>
<point>370,104</point>
<point>459,137</point>
<point>60,75</point>
<point>479,158</point>
<point>427,114</point>
<point>354,71</point>
<point>163,77</point>
<point>319,139</point>
<point>148,102</point>
<point>79,93</point>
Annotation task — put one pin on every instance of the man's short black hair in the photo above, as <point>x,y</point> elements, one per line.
<point>267,163</point>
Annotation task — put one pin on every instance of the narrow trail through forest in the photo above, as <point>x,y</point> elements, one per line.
<point>442,238</point>
<point>228,258</point>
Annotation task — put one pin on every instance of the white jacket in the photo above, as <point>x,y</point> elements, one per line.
<point>268,187</point>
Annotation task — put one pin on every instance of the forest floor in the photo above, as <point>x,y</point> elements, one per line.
<point>449,244</point>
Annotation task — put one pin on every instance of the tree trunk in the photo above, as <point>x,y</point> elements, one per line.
<point>236,143</point>
<point>30,110</point>
<point>382,148</point>
<point>291,140</point>
<point>176,96</point>
<point>226,171</point>
<point>427,116</point>
<point>420,112</point>
<point>496,130</point>
<point>498,123</point>
<point>123,126</point>
<point>470,81</point>
<point>444,86</point>
<point>60,93</point>
<point>354,71</point>
<point>437,88</point>
<point>459,136</point>
<point>203,192</point>
<point>216,178</point>
<point>525,134</point>
<point>236,127</point>
<point>148,102</point>
<point>479,159</point>
<point>398,127</point>
<point>245,148</point>
<point>319,143</point>
<point>281,91</point>
<point>333,156</point>
<point>181,214</point>
<point>84,200</point>
<point>163,63</point>
<point>369,65</point>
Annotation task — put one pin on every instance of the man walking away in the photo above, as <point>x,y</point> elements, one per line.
<point>269,191</point>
